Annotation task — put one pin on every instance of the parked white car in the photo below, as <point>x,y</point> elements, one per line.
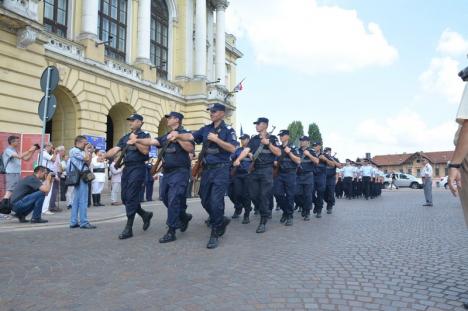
<point>403,180</point>
<point>444,182</point>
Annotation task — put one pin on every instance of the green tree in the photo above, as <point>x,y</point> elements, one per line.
<point>296,130</point>
<point>314,133</point>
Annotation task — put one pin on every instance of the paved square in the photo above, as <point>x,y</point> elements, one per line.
<point>385,254</point>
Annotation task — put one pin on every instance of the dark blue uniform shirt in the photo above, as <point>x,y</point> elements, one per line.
<point>331,171</point>
<point>133,155</point>
<point>214,153</point>
<point>175,156</point>
<point>307,166</point>
<point>266,157</point>
<point>320,168</point>
<point>286,163</point>
<point>245,163</point>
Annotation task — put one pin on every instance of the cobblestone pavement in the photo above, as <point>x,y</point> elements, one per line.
<point>385,254</point>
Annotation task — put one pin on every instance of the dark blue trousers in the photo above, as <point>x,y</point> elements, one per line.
<point>305,191</point>
<point>285,190</point>
<point>261,189</point>
<point>213,186</point>
<point>330,191</point>
<point>133,178</point>
<point>173,192</point>
<point>320,181</point>
<point>239,193</point>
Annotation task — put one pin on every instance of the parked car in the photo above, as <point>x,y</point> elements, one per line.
<point>444,182</point>
<point>403,180</point>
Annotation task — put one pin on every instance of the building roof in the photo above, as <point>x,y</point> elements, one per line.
<point>438,157</point>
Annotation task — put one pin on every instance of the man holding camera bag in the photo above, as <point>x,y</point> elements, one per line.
<point>78,174</point>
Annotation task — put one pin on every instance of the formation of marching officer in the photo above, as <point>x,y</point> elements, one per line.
<point>263,168</point>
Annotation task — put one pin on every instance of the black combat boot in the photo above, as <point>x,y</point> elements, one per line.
<point>329,209</point>
<point>213,241</point>
<point>94,199</point>
<point>185,222</point>
<point>127,232</point>
<point>237,213</point>
<point>246,219</point>
<point>283,219</point>
<point>318,214</point>
<point>222,229</point>
<point>146,216</point>
<point>169,236</point>
<point>289,221</point>
<point>262,225</point>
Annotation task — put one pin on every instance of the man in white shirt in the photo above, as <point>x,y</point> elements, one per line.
<point>367,172</point>
<point>49,155</point>
<point>348,172</point>
<point>426,175</point>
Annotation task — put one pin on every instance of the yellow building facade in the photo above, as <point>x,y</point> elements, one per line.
<point>115,58</point>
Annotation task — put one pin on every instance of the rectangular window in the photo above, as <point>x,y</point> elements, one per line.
<point>437,172</point>
<point>409,171</point>
<point>446,171</point>
<point>112,27</point>
<point>159,36</point>
<point>55,16</point>
<point>418,172</point>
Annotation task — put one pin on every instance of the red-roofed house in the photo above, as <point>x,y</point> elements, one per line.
<point>410,163</point>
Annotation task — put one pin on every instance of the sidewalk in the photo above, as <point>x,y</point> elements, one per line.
<point>62,219</point>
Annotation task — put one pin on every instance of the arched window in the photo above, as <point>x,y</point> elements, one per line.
<point>159,36</point>
<point>55,16</point>
<point>113,23</point>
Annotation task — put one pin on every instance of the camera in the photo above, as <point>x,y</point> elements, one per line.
<point>37,146</point>
<point>464,74</point>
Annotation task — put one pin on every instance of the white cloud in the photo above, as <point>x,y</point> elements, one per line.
<point>407,131</point>
<point>452,43</point>
<point>308,37</point>
<point>441,79</point>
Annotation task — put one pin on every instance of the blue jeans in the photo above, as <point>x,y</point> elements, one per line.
<point>80,205</point>
<point>30,203</point>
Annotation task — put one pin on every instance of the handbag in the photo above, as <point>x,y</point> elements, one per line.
<point>73,177</point>
<point>87,176</point>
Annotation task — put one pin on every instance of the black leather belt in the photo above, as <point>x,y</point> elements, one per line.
<point>214,166</point>
<point>174,169</point>
<point>288,170</point>
<point>99,170</point>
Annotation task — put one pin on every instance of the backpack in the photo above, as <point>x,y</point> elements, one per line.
<point>3,166</point>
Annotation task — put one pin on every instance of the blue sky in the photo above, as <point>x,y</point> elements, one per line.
<point>376,76</point>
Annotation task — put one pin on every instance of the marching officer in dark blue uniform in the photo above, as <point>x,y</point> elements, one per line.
<point>320,179</point>
<point>220,141</point>
<point>239,188</point>
<point>285,179</point>
<point>305,177</point>
<point>176,169</point>
<point>133,175</point>
<point>331,180</point>
<point>264,149</point>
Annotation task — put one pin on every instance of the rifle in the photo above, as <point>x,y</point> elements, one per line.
<point>276,169</point>
<point>259,151</point>
<point>299,167</point>
<point>158,165</point>
<point>119,163</point>
<point>198,167</point>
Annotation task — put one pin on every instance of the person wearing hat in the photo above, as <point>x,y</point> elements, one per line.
<point>220,141</point>
<point>176,169</point>
<point>133,175</point>
<point>285,182</point>
<point>331,180</point>
<point>239,188</point>
<point>305,177</point>
<point>320,178</point>
<point>264,149</point>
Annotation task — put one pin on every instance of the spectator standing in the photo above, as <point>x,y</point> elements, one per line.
<point>116,178</point>
<point>98,166</point>
<point>426,175</point>
<point>12,162</point>
<point>80,159</point>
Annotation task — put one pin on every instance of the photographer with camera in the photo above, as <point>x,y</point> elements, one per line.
<point>11,159</point>
<point>29,195</point>
<point>49,155</point>
<point>78,169</point>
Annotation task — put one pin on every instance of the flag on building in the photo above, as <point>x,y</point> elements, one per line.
<point>239,87</point>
